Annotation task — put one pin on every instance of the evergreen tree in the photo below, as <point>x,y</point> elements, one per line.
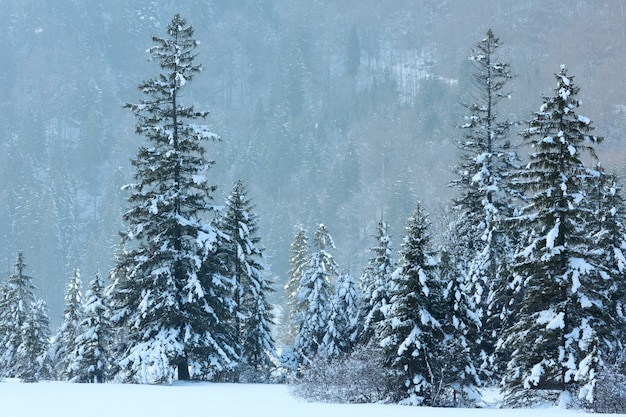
<point>484,197</point>
<point>168,292</point>
<point>25,327</point>
<point>610,211</point>
<point>246,268</point>
<point>92,356</point>
<point>64,342</point>
<point>298,261</point>
<point>314,294</point>
<point>343,326</point>
<point>410,336</point>
<point>564,328</point>
<point>31,356</point>
<point>461,326</point>
<point>376,281</point>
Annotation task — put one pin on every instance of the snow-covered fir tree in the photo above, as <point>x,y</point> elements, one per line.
<point>65,339</point>
<point>31,356</point>
<point>376,280</point>
<point>244,261</point>
<point>483,197</point>
<point>314,296</point>
<point>410,336</point>
<point>344,327</point>
<point>299,258</point>
<point>564,327</point>
<point>461,326</point>
<point>92,354</point>
<point>168,294</point>
<point>610,212</point>
<point>24,327</point>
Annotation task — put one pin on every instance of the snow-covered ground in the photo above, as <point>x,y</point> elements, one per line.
<point>58,399</point>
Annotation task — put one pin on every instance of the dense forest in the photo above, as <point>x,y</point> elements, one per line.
<point>331,112</point>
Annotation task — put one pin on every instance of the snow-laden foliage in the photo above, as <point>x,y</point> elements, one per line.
<point>564,328</point>
<point>64,342</point>
<point>461,325</point>
<point>92,350</point>
<point>24,328</point>
<point>299,258</point>
<point>244,260</point>
<point>31,356</point>
<point>610,211</point>
<point>344,318</point>
<point>410,335</point>
<point>376,281</point>
<point>168,291</point>
<point>314,296</point>
<point>484,198</point>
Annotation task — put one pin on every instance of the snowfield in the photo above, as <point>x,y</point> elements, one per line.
<point>60,399</point>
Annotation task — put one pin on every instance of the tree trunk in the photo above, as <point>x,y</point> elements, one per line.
<point>183,370</point>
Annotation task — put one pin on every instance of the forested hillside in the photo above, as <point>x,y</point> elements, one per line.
<point>329,111</point>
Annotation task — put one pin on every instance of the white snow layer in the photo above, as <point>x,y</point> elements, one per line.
<point>52,399</point>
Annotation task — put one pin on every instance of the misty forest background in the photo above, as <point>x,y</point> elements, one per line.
<point>330,111</point>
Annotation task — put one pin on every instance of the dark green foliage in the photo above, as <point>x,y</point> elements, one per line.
<point>65,340</point>
<point>92,352</point>
<point>314,295</point>
<point>344,318</point>
<point>298,262</point>
<point>484,198</point>
<point>376,281</point>
<point>24,328</point>
<point>169,293</point>
<point>563,329</point>
<point>410,335</point>
<point>244,262</point>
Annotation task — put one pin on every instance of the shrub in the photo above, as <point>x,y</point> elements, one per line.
<point>610,393</point>
<point>359,377</point>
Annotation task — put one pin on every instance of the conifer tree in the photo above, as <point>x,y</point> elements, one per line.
<point>298,261</point>
<point>410,336</point>
<point>92,355</point>
<point>484,197</point>
<point>461,326</point>
<point>563,329</point>
<point>244,261</point>
<point>25,327</point>
<point>314,295</point>
<point>609,214</point>
<point>64,343</point>
<point>31,356</point>
<point>376,281</point>
<point>343,327</point>
<point>168,292</point>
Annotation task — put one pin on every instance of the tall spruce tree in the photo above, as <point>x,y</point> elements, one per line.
<point>564,328</point>
<point>410,336</point>
<point>25,327</point>
<point>484,198</point>
<point>610,212</point>
<point>168,293</point>
<point>299,258</point>
<point>344,316</point>
<point>64,342</point>
<point>92,351</point>
<point>314,296</point>
<point>461,326</point>
<point>244,260</point>
<point>376,281</point>
<point>31,356</point>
